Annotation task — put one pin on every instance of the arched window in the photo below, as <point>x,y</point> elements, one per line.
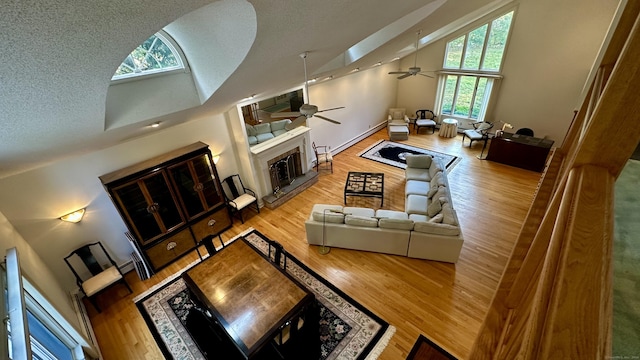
<point>156,55</point>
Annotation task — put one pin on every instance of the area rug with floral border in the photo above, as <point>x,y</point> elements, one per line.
<point>347,329</point>
<point>394,154</point>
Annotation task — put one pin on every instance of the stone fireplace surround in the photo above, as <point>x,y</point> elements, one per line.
<point>263,153</point>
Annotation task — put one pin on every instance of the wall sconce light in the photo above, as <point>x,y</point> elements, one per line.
<point>216,158</point>
<point>73,217</point>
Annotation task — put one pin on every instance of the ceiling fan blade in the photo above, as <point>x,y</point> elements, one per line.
<point>404,76</point>
<point>429,76</point>
<point>285,114</point>
<point>327,119</point>
<point>335,108</point>
<point>295,123</point>
<point>397,72</point>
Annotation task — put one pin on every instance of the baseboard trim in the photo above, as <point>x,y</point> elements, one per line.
<point>358,138</point>
<point>84,321</point>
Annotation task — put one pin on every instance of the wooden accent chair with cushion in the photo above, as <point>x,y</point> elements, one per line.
<point>426,119</point>
<point>238,197</point>
<point>323,155</point>
<point>480,131</point>
<point>94,270</point>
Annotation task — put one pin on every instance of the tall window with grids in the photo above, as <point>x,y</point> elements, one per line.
<point>472,64</point>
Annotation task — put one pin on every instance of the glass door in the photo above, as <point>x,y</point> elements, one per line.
<point>197,187</point>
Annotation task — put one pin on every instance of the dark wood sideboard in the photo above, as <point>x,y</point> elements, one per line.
<point>526,152</point>
<point>170,202</point>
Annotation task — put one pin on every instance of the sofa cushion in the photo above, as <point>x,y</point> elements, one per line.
<point>436,219</point>
<point>363,221</point>
<point>264,137</point>
<point>264,128</point>
<point>252,140</point>
<point>251,131</point>
<point>449,214</point>
<point>399,224</point>
<point>435,228</point>
<point>279,124</point>
<point>434,208</point>
<point>416,204</point>
<point>417,174</point>
<point>318,214</point>
<point>416,187</point>
<point>359,211</point>
<point>435,168</point>
<point>391,214</point>
<point>419,161</point>
<point>437,179</point>
<point>418,217</point>
<point>442,194</point>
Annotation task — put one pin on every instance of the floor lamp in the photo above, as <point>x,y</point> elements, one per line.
<point>324,250</point>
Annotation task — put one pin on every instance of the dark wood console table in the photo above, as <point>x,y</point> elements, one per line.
<point>526,152</point>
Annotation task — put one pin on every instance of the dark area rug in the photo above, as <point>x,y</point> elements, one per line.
<point>347,329</point>
<point>394,154</point>
<point>425,349</point>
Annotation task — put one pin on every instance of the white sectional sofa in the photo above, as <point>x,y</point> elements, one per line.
<point>266,131</point>
<point>427,229</point>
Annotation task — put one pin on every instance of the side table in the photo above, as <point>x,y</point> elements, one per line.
<point>448,128</point>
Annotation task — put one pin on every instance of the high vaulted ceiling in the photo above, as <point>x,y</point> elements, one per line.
<point>58,57</point>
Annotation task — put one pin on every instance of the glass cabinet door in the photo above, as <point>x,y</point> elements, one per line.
<point>195,181</point>
<point>149,206</point>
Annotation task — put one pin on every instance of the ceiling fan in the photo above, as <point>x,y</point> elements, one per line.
<point>306,110</point>
<point>415,70</point>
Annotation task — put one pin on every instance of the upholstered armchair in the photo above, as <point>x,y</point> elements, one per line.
<point>398,124</point>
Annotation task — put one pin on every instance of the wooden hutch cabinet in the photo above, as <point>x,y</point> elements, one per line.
<point>170,202</point>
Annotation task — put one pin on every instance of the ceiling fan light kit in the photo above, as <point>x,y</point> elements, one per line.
<point>307,110</point>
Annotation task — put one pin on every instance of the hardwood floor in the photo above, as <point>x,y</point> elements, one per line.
<point>445,302</point>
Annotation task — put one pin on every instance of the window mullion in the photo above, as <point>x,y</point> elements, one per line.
<point>455,96</point>
<point>464,51</point>
<point>473,97</point>
<point>484,46</point>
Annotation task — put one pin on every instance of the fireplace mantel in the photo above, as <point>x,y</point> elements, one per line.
<point>263,152</point>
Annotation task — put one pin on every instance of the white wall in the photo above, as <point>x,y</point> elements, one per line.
<point>366,95</point>
<point>551,50</point>
<point>34,268</point>
<point>34,200</point>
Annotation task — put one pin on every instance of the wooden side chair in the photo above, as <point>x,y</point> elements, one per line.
<point>323,155</point>
<point>94,270</point>
<point>238,196</point>
<point>480,131</point>
<point>425,119</point>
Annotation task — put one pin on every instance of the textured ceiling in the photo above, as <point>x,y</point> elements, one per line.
<point>58,57</point>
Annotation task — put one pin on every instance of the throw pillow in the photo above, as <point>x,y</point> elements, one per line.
<point>419,161</point>
<point>437,179</point>
<point>434,208</point>
<point>449,214</point>
<point>435,168</point>
<point>436,219</point>
<point>251,131</point>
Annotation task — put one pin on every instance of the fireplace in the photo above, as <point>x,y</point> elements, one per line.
<point>282,166</point>
<point>284,169</point>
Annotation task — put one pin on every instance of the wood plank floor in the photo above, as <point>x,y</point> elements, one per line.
<point>445,302</point>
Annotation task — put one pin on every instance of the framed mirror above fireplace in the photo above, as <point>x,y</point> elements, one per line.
<point>259,124</point>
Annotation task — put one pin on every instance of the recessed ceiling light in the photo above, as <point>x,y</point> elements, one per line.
<point>155,125</point>
<point>378,63</point>
<point>395,58</point>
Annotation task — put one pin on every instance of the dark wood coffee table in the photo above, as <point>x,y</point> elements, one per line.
<point>364,184</point>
